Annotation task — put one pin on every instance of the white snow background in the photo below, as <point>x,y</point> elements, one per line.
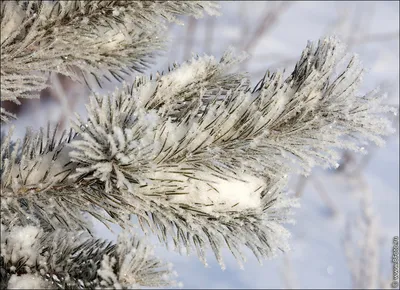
<point>317,258</point>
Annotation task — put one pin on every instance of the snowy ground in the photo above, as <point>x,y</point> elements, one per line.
<point>317,259</point>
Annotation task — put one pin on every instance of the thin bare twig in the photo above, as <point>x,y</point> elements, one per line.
<point>190,30</point>
<point>209,34</point>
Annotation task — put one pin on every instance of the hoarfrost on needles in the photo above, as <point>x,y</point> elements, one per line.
<point>196,154</point>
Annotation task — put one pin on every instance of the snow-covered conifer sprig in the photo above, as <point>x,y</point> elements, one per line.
<point>81,39</point>
<point>124,146</point>
<point>182,163</point>
<point>283,118</point>
<point>35,188</point>
<point>313,112</point>
<point>213,174</point>
<point>74,260</point>
<point>59,204</point>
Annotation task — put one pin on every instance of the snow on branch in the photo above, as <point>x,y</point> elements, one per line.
<point>73,260</point>
<point>184,85</point>
<point>85,40</point>
<point>201,158</point>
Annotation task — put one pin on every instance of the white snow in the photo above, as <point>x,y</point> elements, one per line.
<point>187,73</point>
<point>20,243</point>
<point>115,38</point>
<point>32,172</point>
<point>146,92</point>
<point>106,272</point>
<point>27,281</point>
<point>215,194</point>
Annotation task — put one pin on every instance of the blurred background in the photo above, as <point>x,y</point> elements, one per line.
<point>348,217</point>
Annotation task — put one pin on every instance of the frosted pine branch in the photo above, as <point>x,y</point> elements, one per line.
<point>34,258</point>
<point>193,83</point>
<point>52,202</point>
<point>85,40</point>
<point>36,187</point>
<point>197,155</point>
